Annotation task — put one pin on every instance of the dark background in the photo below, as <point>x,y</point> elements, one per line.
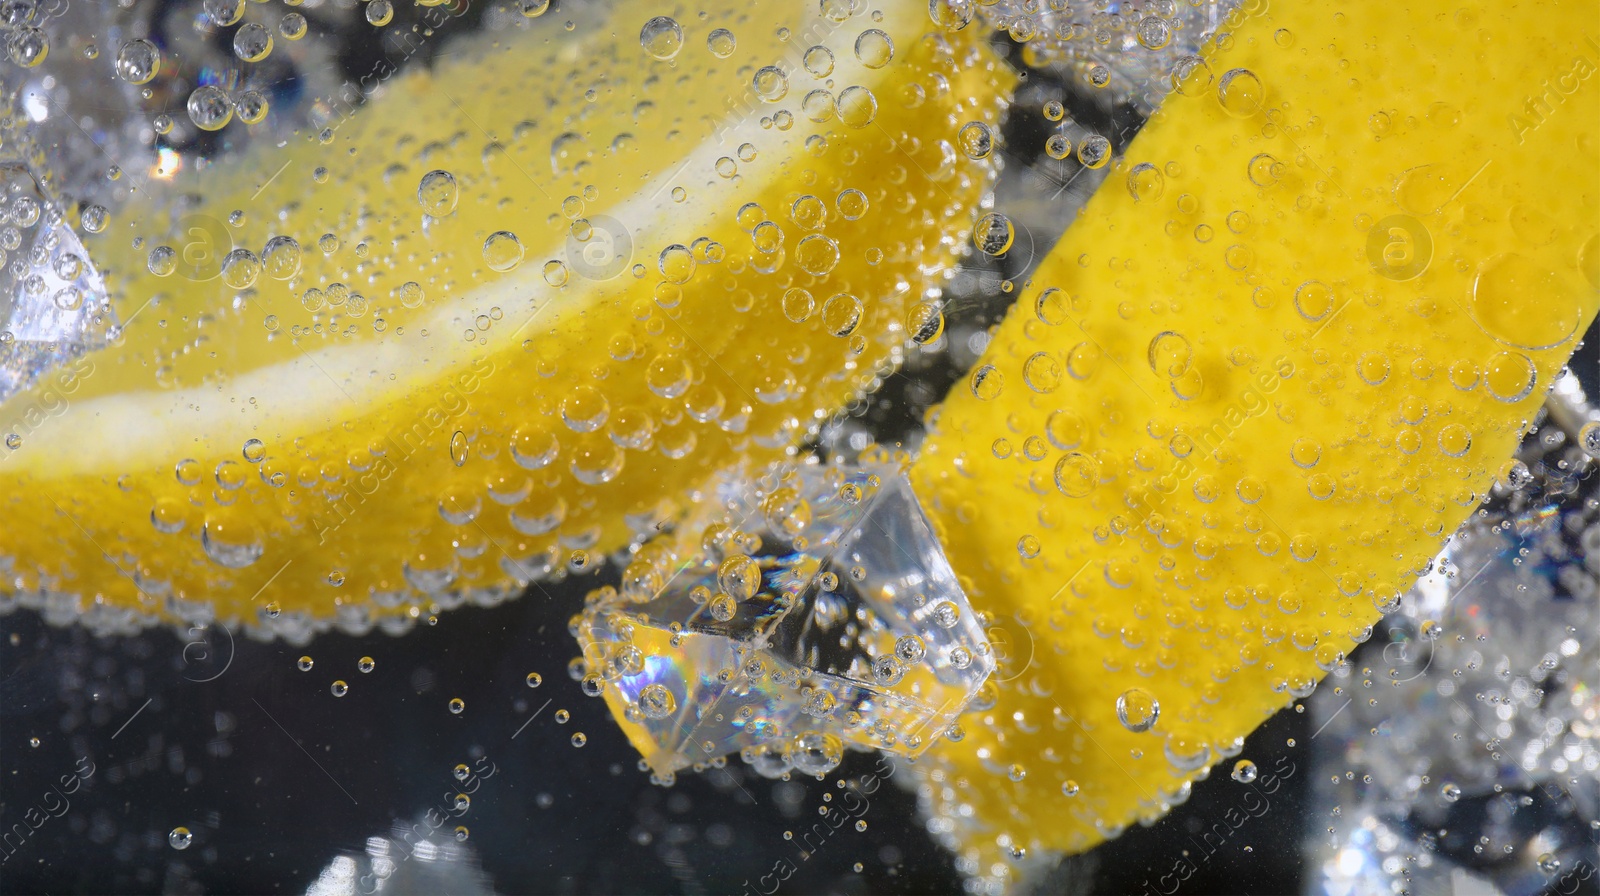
<point>267,817</point>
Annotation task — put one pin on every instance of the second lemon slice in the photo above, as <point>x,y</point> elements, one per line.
<point>1278,360</point>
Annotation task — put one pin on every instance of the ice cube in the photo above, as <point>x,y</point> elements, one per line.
<point>53,304</point>
<point>805,610</point>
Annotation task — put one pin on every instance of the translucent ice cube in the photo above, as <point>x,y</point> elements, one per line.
<point>803,611</point>
<point>53,303</point>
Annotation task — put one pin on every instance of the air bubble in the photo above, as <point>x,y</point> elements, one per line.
<point>233,545</point>
<point>1313,299</point>
<point>437,193</point>
<point>253,42</point>
<point>874,48</point>
<point>224,12</point>
<point>818,61</point>
<point>138,61</point>
<point>986,383</point>
<point>910,649</point>
<point>1137,710</point>
<point>841,315</point>
<point>1076,474</point>
<point>502,251</point>
<point>887,670</point>
<point>770,84</point>
<point>721,43</point>
<point>722,608</point>
<point>976,140</point>
<point>1042,372</point>
<point>851,203</point>
<point>1094,151</point>
<point>209,108</point>
<point>1241,93</point>
<point>952,15</point>
<point>661,37</point>
<point>1153,32</point>
<point>993,234</point>
<point>857,107</point>
<point>28,47</point>
<point>240,268</point>
<point>657,702</point>
<point>925,323</point>
<point>1510,376</point>
<point>1455,440</point>
<point>281,258</point>
<point>1589,439</point>
<point>252,106</point>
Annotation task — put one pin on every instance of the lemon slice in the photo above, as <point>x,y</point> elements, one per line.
<point>516,307</point>
<point>1236,412</point>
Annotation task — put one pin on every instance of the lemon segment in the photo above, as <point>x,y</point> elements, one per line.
<point>1236,412</point>
<point>528,299</point>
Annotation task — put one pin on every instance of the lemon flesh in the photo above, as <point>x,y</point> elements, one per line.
<point>1281,357</point>
<point>639,271</point>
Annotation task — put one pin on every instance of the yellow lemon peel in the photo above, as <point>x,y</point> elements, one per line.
<point>1275,363</point>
